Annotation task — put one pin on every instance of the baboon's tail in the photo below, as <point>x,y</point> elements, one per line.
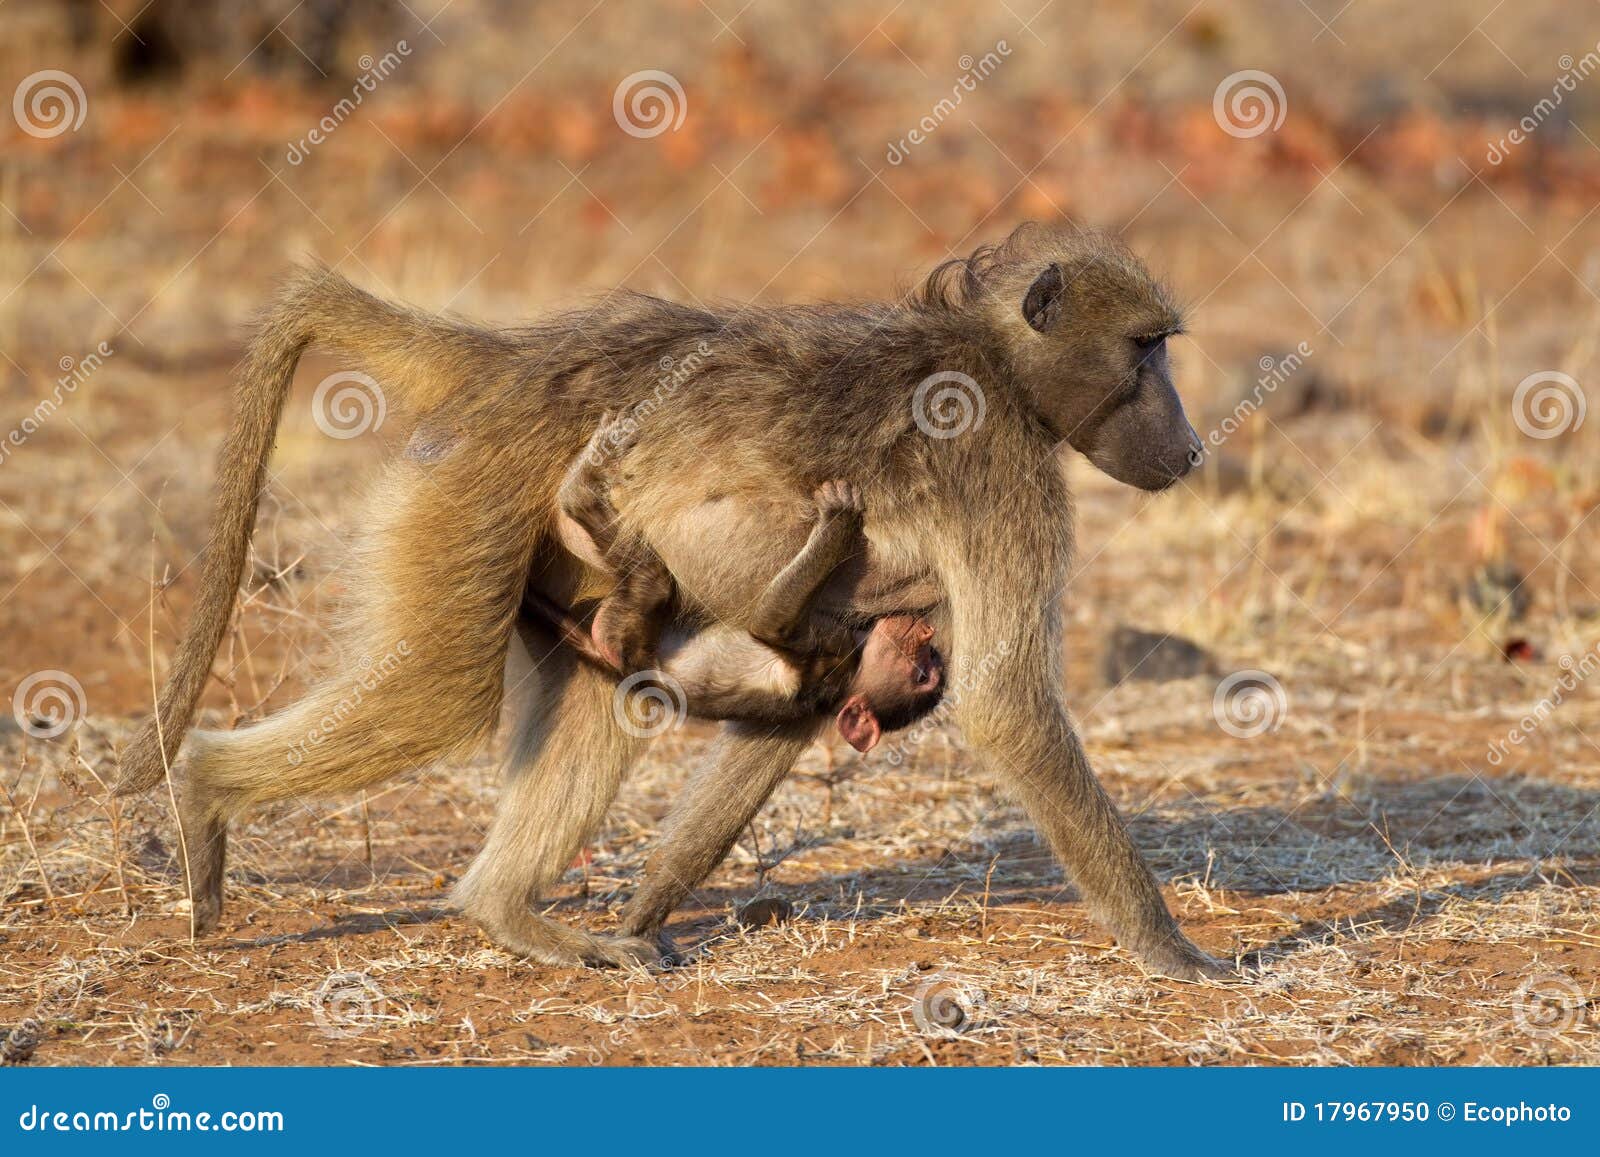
<point>416,355</point>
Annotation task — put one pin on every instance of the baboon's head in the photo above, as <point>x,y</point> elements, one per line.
<point>1086,327</point>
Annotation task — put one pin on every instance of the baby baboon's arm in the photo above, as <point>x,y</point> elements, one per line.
<point>783,617</point>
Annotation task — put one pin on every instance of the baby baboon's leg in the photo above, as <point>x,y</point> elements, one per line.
<point>627,623</point>
<point>568,757</point>
<point>747,763</point>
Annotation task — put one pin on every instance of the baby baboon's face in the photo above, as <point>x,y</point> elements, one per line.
<point>1099,371</point>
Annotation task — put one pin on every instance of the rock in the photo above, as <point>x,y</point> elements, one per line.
<point>1143,655</point>
<point>767,913</point>
<point>18,1045</point>
<point>1283,384</point>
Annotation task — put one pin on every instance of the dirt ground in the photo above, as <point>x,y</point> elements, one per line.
<point>1381,796</point>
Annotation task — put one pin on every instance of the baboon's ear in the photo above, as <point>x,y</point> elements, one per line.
<point>1042,305</point>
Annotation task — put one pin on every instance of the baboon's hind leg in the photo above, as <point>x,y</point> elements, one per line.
<point>434,599</point>
<point>741,771</point>
<point>203,843</point>
<point>568,758</point>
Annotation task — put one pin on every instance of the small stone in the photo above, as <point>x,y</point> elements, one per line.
<point>17,1046</point>
<point>767,913</point>
<point>1134,654</point>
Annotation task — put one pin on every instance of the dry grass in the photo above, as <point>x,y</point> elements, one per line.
<point>1390,888</point>
<point>1393,916</point>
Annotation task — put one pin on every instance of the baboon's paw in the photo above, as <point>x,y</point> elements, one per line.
<point>624,952</point>
<point>1181,960</point>
<point>204,914</point>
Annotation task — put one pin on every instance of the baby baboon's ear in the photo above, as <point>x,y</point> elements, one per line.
<point>1042,305</point>
<point>858,723</point>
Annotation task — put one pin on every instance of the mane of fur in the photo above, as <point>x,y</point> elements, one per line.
<point>996,271</point>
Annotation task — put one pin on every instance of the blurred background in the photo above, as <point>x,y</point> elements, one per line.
<point>1381,217</point>
<point>490,159</point>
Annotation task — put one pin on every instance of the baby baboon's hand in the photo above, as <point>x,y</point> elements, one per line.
<point>837,497</point>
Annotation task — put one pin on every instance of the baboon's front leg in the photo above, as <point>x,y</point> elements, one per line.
<point>740,773</point>
<point>1006,625</point>
<point>568,757</point>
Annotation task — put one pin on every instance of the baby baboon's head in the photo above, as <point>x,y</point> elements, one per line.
<point>1086,328</point>
<point>899,679</point>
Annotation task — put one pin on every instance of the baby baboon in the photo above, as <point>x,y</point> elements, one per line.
<point>791,665</point>
<point>1055,337</point>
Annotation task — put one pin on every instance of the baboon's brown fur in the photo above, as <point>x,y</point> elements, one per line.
<point>1062,331</point>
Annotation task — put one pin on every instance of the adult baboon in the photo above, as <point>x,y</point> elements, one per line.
<point>1049,337</point>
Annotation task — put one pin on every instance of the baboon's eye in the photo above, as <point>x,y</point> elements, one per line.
<point>1148,349</point>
